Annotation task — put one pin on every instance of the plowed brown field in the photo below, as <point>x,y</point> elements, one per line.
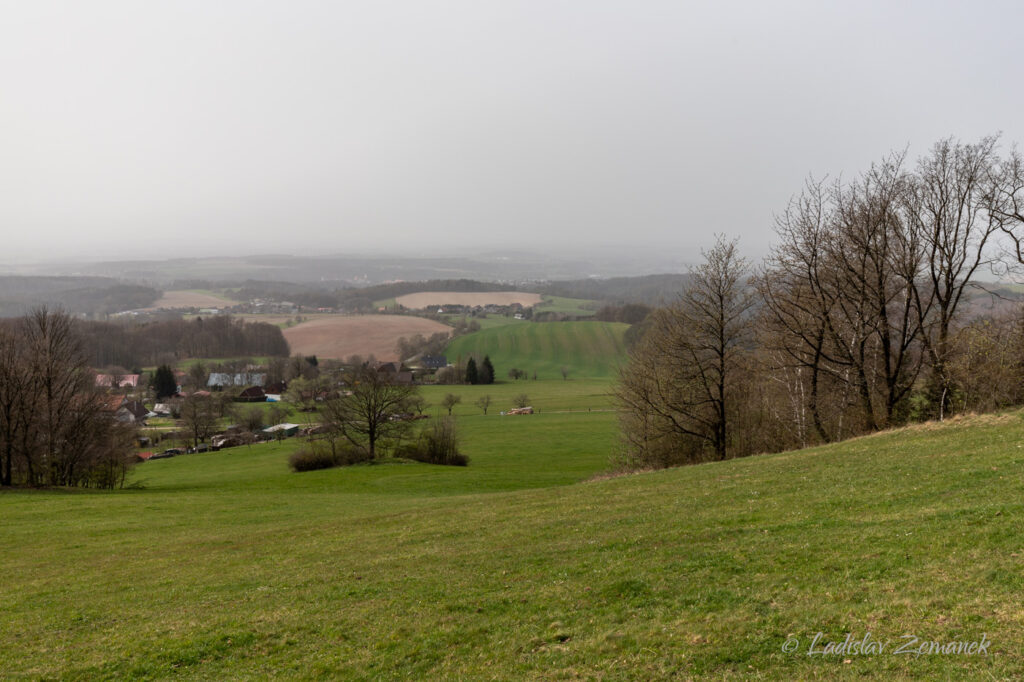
<point>344,335</point>
<point>426,299</point>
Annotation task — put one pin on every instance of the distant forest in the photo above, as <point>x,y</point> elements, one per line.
<point>141,345</point>
<point>75,295</point>
<point>651,290</point>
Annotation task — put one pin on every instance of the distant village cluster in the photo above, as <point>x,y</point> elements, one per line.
<point>162,404</point>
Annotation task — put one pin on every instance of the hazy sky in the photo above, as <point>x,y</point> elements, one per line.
<point>150,129</point>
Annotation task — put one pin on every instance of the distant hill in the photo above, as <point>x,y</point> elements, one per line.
<point>652,290</point>
<point>77,295</point>
<point>587,349</point>
<point>354,299</point>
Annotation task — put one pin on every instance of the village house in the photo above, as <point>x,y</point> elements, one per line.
<point>117,380</point>
<point>434,361</point>
<point>396,371</point>
<point>221,380</point>
<point>253,394</point>
<point>125,411</point>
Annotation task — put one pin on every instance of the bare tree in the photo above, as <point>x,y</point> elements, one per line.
<point>874,323</point>
<point>676,389</point>
<point>200,414</point>
<point>55,427</point>
<point>368,413</point>
<point>484,402</point>
<point>418,403</point>
<point>796,305</point>
<point>841,294</point>
<point>198,375</point>
<point>17,404</point>
<point>62,377</point>
<point>956,207</point>
<point>449,401</point>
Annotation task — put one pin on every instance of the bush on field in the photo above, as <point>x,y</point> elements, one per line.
<point>438,443</point>
<point>318,457</point>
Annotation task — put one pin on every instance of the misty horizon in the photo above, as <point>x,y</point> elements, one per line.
<point>152,132</point>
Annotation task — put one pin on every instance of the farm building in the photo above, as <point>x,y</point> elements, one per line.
<point>287,430</point>
<point>220,380</point>
<point>396,371</point>
<point>253,394</point>
<point>124,410</point>
<point>434,361</point>
<point>162,409</point>
<point>275,390</point>
<point>117,380</point>
<point>139,412</point>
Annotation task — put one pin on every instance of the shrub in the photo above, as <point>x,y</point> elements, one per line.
<point>252,418</point>
<point>321,457</point>
<point>449,375</point>
<point>437,444</point>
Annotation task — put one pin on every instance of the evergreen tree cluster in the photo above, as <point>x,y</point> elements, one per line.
<point>484,374</point>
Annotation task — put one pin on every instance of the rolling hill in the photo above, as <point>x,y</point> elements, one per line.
<point>226,566</point>
<point>588,349</point>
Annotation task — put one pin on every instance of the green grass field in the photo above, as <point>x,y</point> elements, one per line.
<point>227,566</point>
<point>587,349</point>
<point>579,307</point>
<point>574,395</point>
<point>487,321</point>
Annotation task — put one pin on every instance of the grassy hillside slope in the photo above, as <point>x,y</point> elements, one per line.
<point>588,349</point>
<point>226,566</point>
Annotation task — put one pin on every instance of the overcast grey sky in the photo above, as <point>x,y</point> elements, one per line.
<point>149,129</point>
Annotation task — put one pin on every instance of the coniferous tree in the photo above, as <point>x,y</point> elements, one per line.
<point>472,375</point>
<point>164,383</point>
<point>486,371</point>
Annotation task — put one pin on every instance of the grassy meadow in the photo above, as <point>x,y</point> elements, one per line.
<point>579,307</point>
<point>572,395</point>
<point>587,349</point>
<point>531,562</point>
<point>227,566</point>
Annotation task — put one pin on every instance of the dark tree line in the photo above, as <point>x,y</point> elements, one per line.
<point>87,295</point>
<point>649,290</point>
<point>854,323</point>
<point>136,345</point>
<point>630,313</point>
<point>55,428</point>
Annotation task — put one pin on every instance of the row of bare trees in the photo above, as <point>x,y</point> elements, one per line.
<point>130,344</point>
<point>855,322</point>
<point>55,429</point>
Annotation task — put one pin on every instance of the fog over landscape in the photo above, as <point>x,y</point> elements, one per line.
<point>149,131</point>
